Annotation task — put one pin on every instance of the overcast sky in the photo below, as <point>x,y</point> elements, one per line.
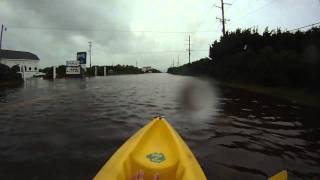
<point>151,32</point>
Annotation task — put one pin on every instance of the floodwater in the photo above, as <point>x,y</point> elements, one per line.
<point>68,128</point>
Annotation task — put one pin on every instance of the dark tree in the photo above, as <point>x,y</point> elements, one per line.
<point>274,58</point>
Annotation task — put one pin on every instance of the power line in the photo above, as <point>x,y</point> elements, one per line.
<point>165,51</point>
<point>205,17</point>
<point>105,30</point>
<point>200,24</point>
<point>310,25</point>
<point>254,11</point>
<point>231,5</point>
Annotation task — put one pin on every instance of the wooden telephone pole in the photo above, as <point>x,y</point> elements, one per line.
<point>189,50</point>
<point>223,20</point>
<point>3,28</point>
<point>90,49</point>
<point>178,61</point>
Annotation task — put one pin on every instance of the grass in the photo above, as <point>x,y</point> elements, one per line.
<point>297,96</point>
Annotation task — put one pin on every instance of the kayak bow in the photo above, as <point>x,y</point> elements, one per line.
<point>156,148</point>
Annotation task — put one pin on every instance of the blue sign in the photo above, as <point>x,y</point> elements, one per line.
<point>82,57</point>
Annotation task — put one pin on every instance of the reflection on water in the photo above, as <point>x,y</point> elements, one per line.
<point>68,128</point>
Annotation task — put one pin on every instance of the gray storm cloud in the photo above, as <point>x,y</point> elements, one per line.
<point>56,29</point>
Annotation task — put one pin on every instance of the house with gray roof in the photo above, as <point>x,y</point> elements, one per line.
<point>28,62</point>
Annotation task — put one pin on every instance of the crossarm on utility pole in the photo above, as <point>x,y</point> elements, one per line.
<point>223,19</point>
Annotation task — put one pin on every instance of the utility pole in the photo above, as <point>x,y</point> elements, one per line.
<point>3,28</point>
<point>173,62</point>
<point>189,50</point>
<point>178,61</point>
<point>223,19</point>
<point>90,46</point>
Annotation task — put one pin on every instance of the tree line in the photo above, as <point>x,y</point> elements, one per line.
<point>110,70</point>
<point>10,75</point>
<point>115,70</point>
<point>274,58</point>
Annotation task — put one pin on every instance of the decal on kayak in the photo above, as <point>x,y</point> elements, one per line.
<point>156,157</point>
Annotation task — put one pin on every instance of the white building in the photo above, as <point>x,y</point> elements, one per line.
<point>28,62</point>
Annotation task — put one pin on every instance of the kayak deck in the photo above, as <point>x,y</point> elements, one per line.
<point>156,148</point>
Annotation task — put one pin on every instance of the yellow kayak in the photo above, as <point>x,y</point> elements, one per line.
<point>283,175</point>
<point>155,149</point>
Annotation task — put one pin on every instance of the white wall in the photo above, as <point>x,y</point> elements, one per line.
<point>32,66</point>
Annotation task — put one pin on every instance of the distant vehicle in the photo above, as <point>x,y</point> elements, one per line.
<point>39,74</point>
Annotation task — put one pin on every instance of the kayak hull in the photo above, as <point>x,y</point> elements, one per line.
<point>156,148</point>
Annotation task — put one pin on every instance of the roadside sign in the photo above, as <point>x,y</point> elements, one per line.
<point>82,57</point>
<point>73,70</point>
<point>73,63</point>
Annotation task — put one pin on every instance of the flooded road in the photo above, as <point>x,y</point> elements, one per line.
<point>68,128</point>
